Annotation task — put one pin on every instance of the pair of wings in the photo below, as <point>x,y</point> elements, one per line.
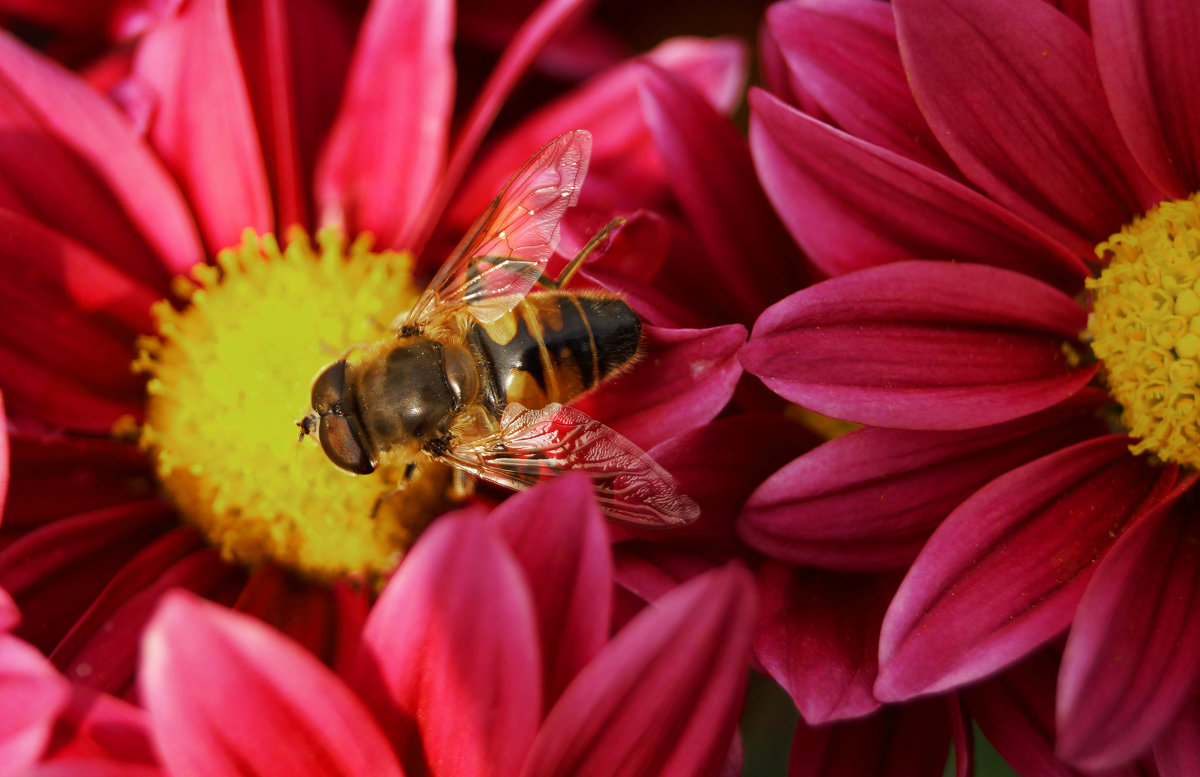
<point>499,261</point>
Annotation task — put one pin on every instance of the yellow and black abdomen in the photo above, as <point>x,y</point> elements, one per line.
<point>553,346</point>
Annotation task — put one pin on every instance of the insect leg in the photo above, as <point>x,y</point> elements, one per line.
<point>572,266</point>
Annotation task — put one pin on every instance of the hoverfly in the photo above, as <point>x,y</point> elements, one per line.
<point>476,374</point>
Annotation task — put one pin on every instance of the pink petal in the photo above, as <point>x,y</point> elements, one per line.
<point>1011,92</point>
<point>382,159</point>
<point>101,649</point>
<point>869,499</point>
<point>34,694</point>
<point>191,63</point>
<point>55,571</point>
<point>1129,666</point>
<point>648,706</point>
<point>102,473</point>
<point>91,768</point>
<point>228,696</point>
<point>1177,752</point>
<point>83,312</point>
<point>684,378</point>
<point>850,204</point>
<point>1005,571</point>
<point>844,56</point>
<point>451,654</point>
<point>817,636</point>
<point>557,533</point>
<point>913,741</point>
<point>721,463</point>
<point>71,161</point>
<point>885,346</point>
<point>1150,73</point>
<point>708,167</point>
<point>95,725</point>
<point>624,161</point>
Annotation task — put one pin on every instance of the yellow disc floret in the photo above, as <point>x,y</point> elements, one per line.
<point>229,374</point>
<point>1145,328</point>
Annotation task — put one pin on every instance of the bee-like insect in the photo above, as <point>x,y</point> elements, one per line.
<point>476,373</point>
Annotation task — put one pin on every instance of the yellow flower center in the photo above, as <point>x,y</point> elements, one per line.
<point>1145,328</point>
<point>230,373</point>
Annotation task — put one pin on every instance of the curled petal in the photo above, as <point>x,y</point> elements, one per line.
<point>913,740</point>
<point>1020,109</point>
<point>663,697</point>
<point>921,345</point>
<point>1004,572</point>
<point>1129,665</point>
<point>227,695</point>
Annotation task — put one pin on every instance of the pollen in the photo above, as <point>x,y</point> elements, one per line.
<point>229,373</point>
<point>1145,329</point>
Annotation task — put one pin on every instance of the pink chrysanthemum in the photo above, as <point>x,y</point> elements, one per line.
<point>1004,194</point>
<point>488,653</point>
<point>252,124</point>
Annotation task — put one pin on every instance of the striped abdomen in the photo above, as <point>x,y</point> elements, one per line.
<point>552,347</point>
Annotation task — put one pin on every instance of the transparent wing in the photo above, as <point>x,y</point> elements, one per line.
<point>504,253</point>
<point>533,445</point>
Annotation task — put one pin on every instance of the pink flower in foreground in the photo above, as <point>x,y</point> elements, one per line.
<point>250,125</point>
<point>487,654</point>
<point>965,170</point>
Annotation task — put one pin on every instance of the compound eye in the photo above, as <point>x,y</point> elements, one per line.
<point>342,444</point>
<point>329,387</point>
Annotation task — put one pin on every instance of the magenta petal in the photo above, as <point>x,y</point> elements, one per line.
<point>96,724</point>
<point>869,499</point>
<point>557,533</point>
<point>387,148</point>
<point>1177,752</point>
<point>844,56</point>
<point>885,346</point>
<point>1130,662</point>
<point>913,741</point>
<point>685,378</point>
<point>191,62</point>
<point>1012,93</point>
<point>850,204</point>
<point>1005,571</point>
<point>10,616</point>
<point>91,768</point>
<point>645,706</point>
<point>33,693</point>
<point>1150,71</point>
<point>451,654</point>
<point>227,695</point>
<point>5,479</point>
<point>71,161</point>
<point>818,634</point>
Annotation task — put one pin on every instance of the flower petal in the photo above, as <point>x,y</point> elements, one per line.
<point>55,571</point>
<point>818,634</point>
<point>91,768</point>
<point>663,697</point>
<point>34,694</point>
<point>845,57</point>
<point>1012,93</point>
<point>1150,73</point>
<point>1129,665</point>
<point>228,696</point>
<point>557,533</point>
<point>1004,572</point>
<point>685,378</point>
<point>708,167</point>
<point>191,63</point>
<point>1177,752</point>
<point>387,148</point>
<point>885,346</point>
<point>98,725</point>
<point>869,499</point>
<point>450,654</point>
<point>71,161</point>
<point>851,204</point>
<point>913,740</point>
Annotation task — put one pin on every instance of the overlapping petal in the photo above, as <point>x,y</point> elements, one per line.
<point>966,609</point>
<point>912,740</point>
<point>33,694</point>
<point>1177,752</point>
<point>921,345</point>
<point>294,716</point>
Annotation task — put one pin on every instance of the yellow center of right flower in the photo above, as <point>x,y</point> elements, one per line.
<point>1145,328</point>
